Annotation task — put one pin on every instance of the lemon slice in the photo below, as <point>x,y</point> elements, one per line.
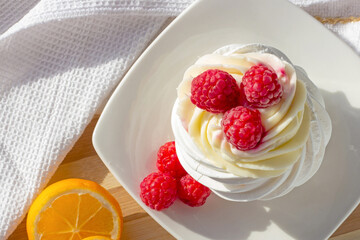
<point>74,209</point>
<point>97,238</point>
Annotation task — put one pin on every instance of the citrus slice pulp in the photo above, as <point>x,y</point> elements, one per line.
<point>74,209</point>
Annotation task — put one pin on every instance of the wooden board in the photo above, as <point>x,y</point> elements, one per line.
<point>83,162</point>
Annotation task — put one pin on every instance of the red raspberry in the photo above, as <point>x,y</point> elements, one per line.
<point>215,91</point>
<point>242,127</point>
<point>192,192</point>
<point>261,87</point>
<point>167,160</point>
<point>158,190</point>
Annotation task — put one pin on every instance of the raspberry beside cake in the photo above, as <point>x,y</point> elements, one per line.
<point>248,124</point>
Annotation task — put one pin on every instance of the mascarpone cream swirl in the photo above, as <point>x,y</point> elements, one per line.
<point>297,130</point>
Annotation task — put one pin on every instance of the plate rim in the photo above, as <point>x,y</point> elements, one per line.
<point>133,67</point>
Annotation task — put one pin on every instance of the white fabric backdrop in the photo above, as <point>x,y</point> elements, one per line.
<point>59,59</point>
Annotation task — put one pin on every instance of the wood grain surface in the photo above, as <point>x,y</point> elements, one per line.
<point>83,162</point>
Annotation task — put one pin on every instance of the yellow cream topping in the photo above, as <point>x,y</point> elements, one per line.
<point>286,124</point>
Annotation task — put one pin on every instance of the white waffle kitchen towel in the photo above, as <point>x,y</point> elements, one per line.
<point>59,59</point>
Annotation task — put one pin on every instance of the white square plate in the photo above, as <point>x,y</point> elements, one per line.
<point>136,120</point>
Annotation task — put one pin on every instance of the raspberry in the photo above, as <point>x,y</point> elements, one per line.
<point>215,91</point>
<point>192,192</point>
<point>261,87</point>
<point>167,160</point>
<point>242,127</point>
<point>158,190</point>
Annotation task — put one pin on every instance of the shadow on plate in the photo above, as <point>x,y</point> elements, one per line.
<point>334,186</point>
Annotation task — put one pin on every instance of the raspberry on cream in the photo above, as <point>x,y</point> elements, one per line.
<point>242,127</point>
<point>215,91</point>
<point>261,87</point>
<point>287,154</point>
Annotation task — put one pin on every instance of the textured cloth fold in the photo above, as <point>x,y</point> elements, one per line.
<point>59,59</point>
<point>58,63</point>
